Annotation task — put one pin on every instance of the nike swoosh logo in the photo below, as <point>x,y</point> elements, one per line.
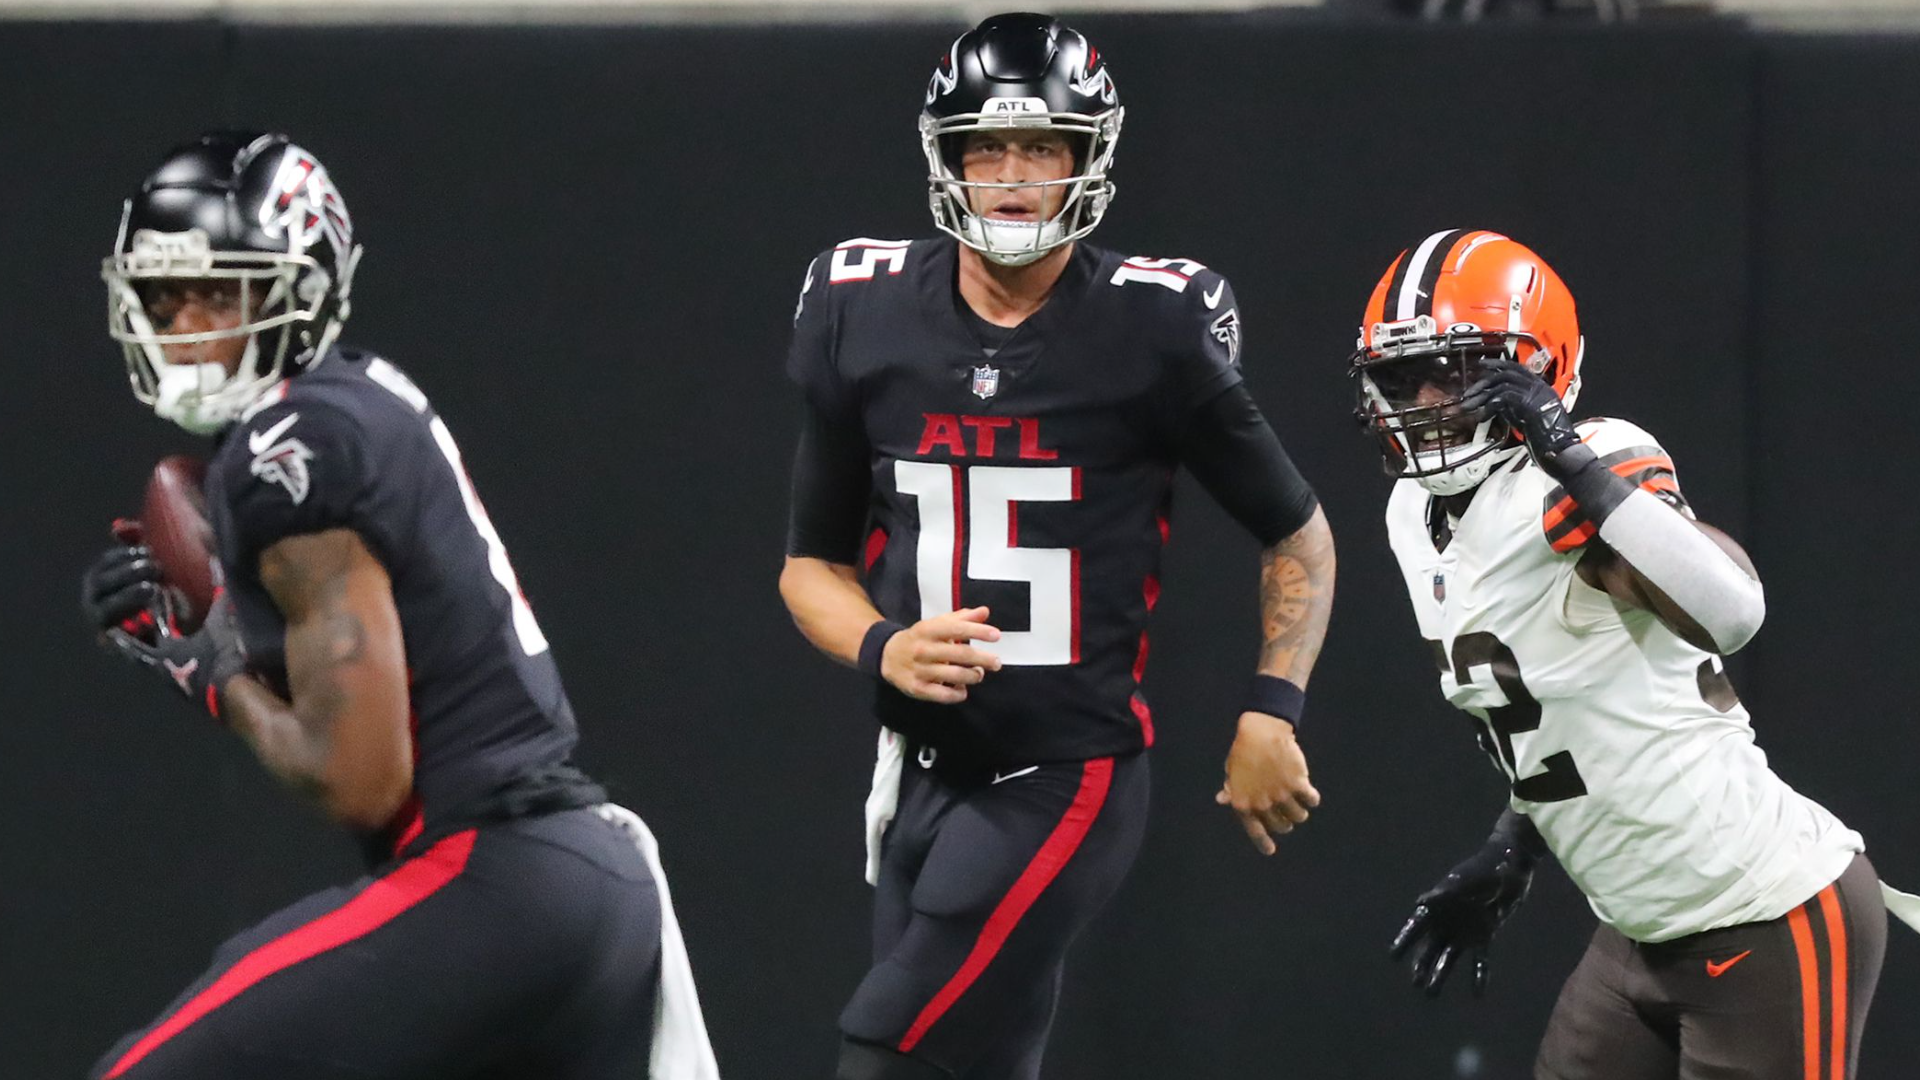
<point>260,440</point>
<point>1714,970</point>
<point>1213,298</point>
<point>997,777</point>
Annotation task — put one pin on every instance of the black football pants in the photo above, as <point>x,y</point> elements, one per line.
<point>985,879</point>
<point>1784,999</point>
<point>520,949</point>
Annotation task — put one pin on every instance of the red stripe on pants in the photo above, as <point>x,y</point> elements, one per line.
<point>1095,777</point>
<point>375,906</point>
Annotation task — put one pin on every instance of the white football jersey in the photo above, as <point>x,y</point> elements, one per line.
<point>1626,746</point>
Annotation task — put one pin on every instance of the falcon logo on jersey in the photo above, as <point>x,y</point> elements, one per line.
<point>283,462</point>
<point>304,206</point>
<point>986,381</point>
<point>1226,331</point>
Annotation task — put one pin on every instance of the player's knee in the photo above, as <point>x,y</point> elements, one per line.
<point>869,1061</point>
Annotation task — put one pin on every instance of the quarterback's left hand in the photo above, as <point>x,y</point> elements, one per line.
<point>1266,780</point>
<point>1523,399</point>
<point>197,664</point>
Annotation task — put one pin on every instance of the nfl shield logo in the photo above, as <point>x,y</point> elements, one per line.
<point>1439,587</point>
<point>986,381</point>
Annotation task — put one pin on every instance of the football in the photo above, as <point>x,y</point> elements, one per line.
<point>173,518</point>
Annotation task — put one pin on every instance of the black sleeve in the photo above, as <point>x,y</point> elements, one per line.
<point>1235,455</point>
<point>832,480</point>
<point>810,362</point>
<point>1200,341</point>
<point>303,472</point>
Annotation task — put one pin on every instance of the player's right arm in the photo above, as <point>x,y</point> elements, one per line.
<point>1461,913</point>
<point>932,660</point>
<point>341,735</point>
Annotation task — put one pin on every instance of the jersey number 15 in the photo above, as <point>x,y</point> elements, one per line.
<point>984,499</point>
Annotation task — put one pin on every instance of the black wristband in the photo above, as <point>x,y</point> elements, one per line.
<point>1276,697</point>
<point>1594,488</point>
<point>875,644</point>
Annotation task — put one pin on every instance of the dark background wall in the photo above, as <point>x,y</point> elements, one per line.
<point>585,244</point>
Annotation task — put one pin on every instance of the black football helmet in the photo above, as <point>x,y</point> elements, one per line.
<point>240,206</point>
<point>1020,71</point>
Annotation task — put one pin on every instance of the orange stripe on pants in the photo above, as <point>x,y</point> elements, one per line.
<point>1809,988</point>
<point>1837,948</point>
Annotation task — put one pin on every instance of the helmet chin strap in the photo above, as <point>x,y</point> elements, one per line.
<point>184,396</point>
<point>1014,243</point>
<point>201,397</point>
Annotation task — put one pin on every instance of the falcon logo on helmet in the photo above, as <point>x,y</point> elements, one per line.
<point>305,206</point>
<point>1020,71</point>
<point>1497,300</point>
<point>943,79</point>
<point>257,214</point>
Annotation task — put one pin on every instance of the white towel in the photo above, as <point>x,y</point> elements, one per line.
<point>680,1047</point>
<point>889,760</point>
<point>1902,906</point>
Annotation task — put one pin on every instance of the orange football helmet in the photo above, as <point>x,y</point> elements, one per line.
<point>1445,306</point>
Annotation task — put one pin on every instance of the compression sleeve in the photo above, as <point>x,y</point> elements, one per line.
<point>1667,550</point>
<point>832,480</point>
<point>1233,452</point>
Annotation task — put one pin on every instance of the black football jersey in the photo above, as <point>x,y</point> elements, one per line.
<point>1031,474</point>
<point>353,443</point>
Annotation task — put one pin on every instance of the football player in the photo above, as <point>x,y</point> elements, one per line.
<point>981,495</point>
<point>371,645</point>
<point>1578,610</point>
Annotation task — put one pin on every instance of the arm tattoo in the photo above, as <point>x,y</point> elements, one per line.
<point>324,634</point>
<point>1296,598</point>
<point>337,640</point>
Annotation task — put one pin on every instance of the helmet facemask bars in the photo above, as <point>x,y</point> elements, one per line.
<point>1088,191</point>
<point>280,292</point>
<point>253,224</point>
<point>1410,396</point>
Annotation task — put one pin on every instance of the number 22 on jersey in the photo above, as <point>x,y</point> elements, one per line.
<point>975,509</point>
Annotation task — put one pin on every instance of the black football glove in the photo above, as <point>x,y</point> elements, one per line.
<point>1461,913</point>
<point>123,599</point>
<point>197,664</point>
<point>121,589</point>
<point>1524,400</point>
